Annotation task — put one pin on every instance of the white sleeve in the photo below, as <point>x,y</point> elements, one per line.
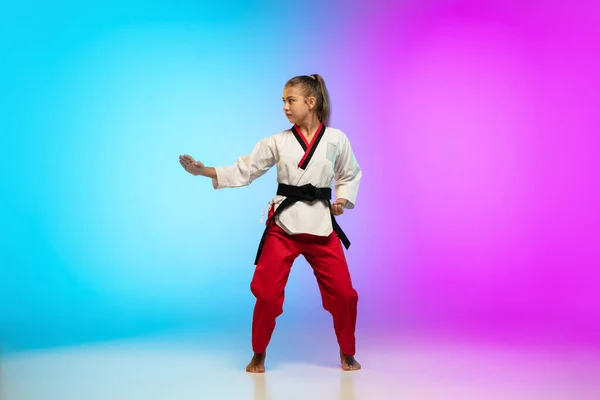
<point>347,174</point>
<point>248,168</point>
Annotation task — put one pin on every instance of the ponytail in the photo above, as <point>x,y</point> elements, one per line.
<point>323,106</point>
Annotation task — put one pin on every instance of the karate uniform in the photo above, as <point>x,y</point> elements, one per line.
<point>304,224</point>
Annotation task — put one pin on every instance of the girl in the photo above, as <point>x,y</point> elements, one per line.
<point>309,156</point>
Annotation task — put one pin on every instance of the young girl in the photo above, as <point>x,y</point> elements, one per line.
<point>309,156</point>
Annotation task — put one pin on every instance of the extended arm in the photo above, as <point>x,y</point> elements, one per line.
<point>243,172</point>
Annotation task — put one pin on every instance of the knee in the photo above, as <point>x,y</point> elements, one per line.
<point>351,296</point>
<point>266,296</point>
<point>347,296</point>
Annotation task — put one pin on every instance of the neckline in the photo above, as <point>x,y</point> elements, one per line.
<point>305,140</point>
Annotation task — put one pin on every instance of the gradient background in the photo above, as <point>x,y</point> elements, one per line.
<point>475,123</point>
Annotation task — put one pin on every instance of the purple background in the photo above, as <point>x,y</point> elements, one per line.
<point>475,123</point>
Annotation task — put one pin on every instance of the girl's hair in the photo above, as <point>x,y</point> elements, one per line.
<point>314,85</point>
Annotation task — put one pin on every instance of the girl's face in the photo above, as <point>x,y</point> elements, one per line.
<point>295,106</point>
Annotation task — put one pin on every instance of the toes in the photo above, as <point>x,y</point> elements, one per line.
<point>255,368</point>
<point>350,365</point>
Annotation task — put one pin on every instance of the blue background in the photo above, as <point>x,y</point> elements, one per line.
<point>473,122</point>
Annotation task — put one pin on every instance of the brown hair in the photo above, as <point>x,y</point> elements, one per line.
<point>314,85</point>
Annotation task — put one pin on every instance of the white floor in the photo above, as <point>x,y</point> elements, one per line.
<point>186,368</point>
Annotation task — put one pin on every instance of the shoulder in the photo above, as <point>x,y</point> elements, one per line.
<point>281,134</point>
<point>274,141</point>
<point>335,132</point>
<point>280,137</point>
<point>276,137</point>
<point>336,135</point>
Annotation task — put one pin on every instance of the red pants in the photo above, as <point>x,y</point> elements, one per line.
<point>326,257</point>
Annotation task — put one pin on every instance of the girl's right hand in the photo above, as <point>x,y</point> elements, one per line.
<point>190,165</point>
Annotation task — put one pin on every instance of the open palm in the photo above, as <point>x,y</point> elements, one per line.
<point>190,165</point>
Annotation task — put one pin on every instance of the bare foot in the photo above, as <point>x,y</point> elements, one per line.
<point>349,363</point>
<point>257,364</point>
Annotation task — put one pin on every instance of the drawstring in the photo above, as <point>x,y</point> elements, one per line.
<point>269,204</point>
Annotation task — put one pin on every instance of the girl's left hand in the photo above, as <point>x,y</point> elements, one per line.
<point>337,208</point>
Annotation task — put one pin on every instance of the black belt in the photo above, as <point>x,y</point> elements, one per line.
<point>294,194</point>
